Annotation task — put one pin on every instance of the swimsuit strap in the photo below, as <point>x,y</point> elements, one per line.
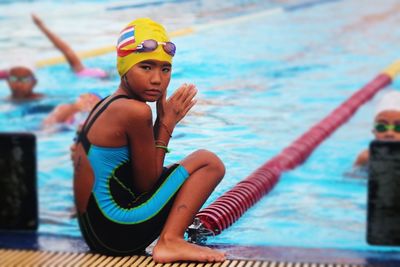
<point>92,111</point>
<point>95,116</point>
<point>89,123</point>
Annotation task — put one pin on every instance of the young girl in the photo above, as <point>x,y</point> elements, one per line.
<point>124,196</point>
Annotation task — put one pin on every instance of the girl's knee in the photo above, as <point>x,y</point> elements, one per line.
<point>204,159</point>
<point>213,161</point>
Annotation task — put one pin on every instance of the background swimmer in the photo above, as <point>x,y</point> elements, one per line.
<point>386,123</point>
<point>73,113</point>
<point>70,55</point>
<point>21,78</point>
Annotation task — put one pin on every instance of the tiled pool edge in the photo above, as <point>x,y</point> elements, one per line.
<point>65,244</point>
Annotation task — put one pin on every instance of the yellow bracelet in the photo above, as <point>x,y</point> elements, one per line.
<point>161,142</point>
<point>167,150</point>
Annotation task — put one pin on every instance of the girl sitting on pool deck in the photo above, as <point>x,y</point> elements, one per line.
<point>125,198</point>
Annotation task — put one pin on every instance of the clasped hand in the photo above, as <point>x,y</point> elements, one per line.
<point>172,110</point>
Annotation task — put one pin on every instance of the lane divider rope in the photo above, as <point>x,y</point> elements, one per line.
<point>229,207</point>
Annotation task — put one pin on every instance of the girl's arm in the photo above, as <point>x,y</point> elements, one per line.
<point>146,159</point>
<point>173,110</point>
<point>148,144</point>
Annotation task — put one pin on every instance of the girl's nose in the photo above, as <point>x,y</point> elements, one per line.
<point>156,77</point>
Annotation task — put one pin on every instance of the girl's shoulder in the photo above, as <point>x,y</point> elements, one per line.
<point>132,109</point>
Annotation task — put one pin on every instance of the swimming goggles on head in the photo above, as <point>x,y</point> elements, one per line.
<point>151,45</point>
<point>21,79</point>
<point>383,127</point>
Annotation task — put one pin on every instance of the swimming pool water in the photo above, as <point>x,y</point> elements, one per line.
<point>262,82</point>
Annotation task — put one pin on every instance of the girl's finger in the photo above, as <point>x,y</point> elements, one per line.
<point>188,107</point>
<point>190,95</point>
<point>178,92</point>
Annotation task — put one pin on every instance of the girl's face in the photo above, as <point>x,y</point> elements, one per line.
<point>387,126</point>
<point>148,80</point>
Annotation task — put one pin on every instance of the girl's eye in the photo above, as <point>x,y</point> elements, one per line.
<point>166,69</point>
<point>146,67</point>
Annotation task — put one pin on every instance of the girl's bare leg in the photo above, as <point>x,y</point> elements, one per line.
<point>206,171</point>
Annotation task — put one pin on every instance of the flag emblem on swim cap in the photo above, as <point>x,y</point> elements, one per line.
<point>126,37</point>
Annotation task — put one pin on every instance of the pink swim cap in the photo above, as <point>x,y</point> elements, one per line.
<point>3,74</point>
<point>92,72</point>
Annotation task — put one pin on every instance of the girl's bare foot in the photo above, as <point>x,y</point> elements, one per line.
<point>178,249</point>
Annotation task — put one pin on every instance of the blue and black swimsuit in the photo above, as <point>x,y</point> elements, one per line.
<point>118,219</point>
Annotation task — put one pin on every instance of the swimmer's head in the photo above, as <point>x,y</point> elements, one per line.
<point>387,117</point>
<point>21,81</point>
<point>143,39</point>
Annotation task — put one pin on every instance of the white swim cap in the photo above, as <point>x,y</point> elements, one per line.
<point>389,101</point>
<point>20,60</point>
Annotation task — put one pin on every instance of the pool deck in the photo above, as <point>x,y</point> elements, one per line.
<point>32,249</point>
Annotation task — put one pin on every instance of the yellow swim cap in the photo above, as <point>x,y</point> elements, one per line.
<point>133,35</point>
